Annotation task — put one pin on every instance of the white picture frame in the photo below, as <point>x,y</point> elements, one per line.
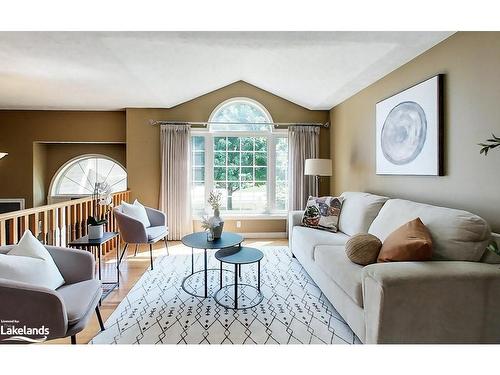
<point>409,131</point>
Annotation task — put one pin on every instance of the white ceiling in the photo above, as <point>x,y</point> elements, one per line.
<point>115,70</point>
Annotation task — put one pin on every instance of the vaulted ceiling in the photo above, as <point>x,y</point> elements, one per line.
<point>116,70</point>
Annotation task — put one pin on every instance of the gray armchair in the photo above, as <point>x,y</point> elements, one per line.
<point>65,311</point>
<point>133,231</point>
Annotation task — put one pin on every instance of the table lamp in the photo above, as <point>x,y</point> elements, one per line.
<point>318,168</point>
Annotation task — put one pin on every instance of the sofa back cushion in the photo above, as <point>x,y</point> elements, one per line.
<point>358,211</point>
<point>456,234</point>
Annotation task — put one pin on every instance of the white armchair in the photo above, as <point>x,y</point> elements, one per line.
<point>134,231</point>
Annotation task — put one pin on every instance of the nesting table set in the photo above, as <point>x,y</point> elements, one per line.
<point>229,252</point>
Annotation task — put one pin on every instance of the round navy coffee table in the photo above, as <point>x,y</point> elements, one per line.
<point>239,255</point>
<point>199,240</point>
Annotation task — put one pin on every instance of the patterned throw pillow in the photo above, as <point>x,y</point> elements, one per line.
<point>322,213</point>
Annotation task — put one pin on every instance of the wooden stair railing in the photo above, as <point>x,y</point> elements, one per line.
<point>57,224</point>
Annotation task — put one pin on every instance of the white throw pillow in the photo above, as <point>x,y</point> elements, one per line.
<point>30,262</point>
<point>136,211</point>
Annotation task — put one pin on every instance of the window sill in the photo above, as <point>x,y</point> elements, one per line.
<point>277,216</point>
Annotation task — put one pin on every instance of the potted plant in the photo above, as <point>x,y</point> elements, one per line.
<point>493,142</point>
<point>214,200</point>
<point>101,205</point>
<point>211,225</point>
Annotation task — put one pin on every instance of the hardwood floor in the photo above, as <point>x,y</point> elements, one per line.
<point>131,269</point>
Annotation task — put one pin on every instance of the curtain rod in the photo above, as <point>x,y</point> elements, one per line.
<point>206,123</point>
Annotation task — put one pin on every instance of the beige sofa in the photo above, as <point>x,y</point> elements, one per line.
<point>452,299</point>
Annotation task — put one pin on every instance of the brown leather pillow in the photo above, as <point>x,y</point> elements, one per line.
<point>410,242</point>
<point>363,248</point>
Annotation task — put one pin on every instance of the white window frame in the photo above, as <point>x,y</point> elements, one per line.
<point>56,179</point>
<point>241,99</point>
<point>271,137</point>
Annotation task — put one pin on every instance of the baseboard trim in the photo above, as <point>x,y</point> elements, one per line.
<point>264,235</point>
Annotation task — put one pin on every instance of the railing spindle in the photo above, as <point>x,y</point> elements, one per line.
<point>56,224</point>
<point>3,235</point>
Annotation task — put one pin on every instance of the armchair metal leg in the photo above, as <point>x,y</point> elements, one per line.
<point>99,318</point>
<point>136,246</point>
<point>166,244</point>
<point>121,256</point>
<point>73,340</point>
<point>151,254</point>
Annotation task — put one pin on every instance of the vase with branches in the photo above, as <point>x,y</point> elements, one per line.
<point>101,206</point>
<point>215,224</point>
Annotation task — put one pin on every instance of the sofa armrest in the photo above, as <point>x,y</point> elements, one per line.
<point>294,219</point>
<point>156,217</point>
<point>131,230</point>
<point>431,302</point>
<point>32,306</point>
<point>74,265</point>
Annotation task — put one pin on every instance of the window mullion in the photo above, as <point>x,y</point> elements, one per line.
<point>209,166</point>
<point>271,173</point>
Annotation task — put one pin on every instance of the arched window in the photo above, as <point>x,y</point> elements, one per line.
<point>240,114</point>
<point>79,176</point>
<point>243,157</point>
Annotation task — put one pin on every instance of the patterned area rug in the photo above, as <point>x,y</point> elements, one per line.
<point>158,311</point>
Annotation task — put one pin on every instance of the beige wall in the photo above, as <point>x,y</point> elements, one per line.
<point>250,226</point>
<point>143,143</point>
<point>39,174</point>
<point>471,64</point>
<point>20,130</point>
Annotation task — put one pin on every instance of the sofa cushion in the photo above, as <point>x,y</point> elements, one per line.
<point>333,261</point>
<point>363,248</point>
<point>323,213</point>
<point>456,234</point>
<point>30,262</point>
<point>306,239</point>
<point>155,233</point>
<point>79,297</point>
<point>358,211</point>
<point>136,211</point>
<point>410,242</point>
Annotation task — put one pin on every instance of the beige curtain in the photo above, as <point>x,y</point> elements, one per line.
<point>175,199</point>
<point>303,143</point>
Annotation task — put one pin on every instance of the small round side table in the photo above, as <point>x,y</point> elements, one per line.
<point>199,240</point>
<point>238,256</point>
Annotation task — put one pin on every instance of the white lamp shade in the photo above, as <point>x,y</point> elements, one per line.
<point>318,167</point>
<point>2,154</point>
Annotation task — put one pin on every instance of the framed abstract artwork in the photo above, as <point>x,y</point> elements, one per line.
<point>410,131</point>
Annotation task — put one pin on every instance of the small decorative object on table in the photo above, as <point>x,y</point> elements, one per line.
<point>101,205</point>
<point>214,200</point>
<point>211,225</point>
